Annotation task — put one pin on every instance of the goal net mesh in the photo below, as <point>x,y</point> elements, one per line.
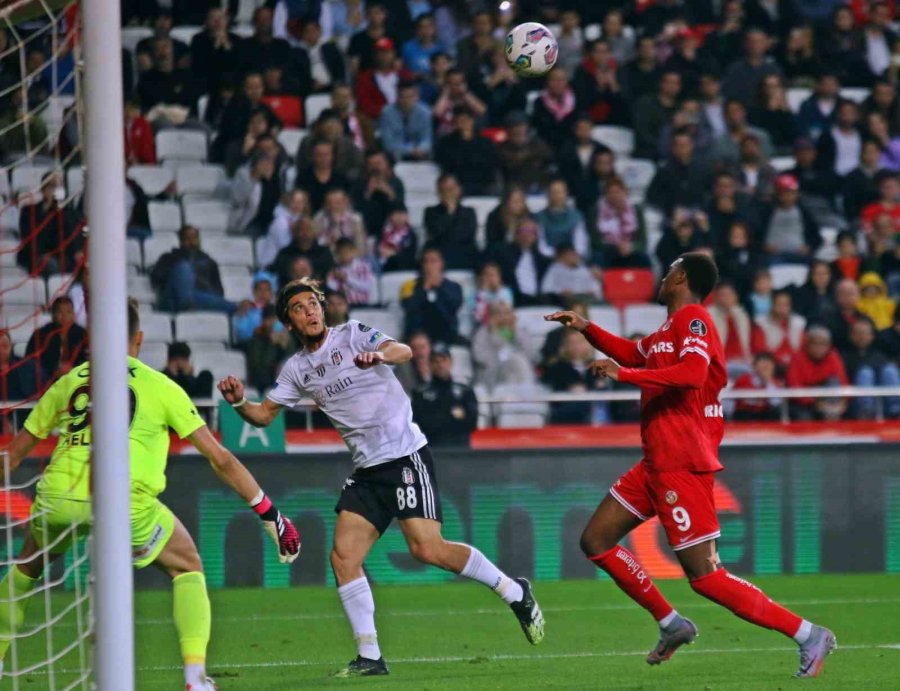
<point>42,259</point>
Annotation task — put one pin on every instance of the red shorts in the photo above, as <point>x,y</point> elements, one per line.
<point>683,501</point>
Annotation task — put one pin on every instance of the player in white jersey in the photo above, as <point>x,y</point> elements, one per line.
<point>345,370</point>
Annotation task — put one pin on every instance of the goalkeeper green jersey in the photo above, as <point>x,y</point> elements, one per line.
<point>157,403</point>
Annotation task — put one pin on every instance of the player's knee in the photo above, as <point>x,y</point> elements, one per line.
<point>593,543</point>
<point>344,567</point>
<point>426,552</point>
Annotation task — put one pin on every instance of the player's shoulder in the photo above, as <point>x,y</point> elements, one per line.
<point>693,318</point>
<point>146,380</point>
<point>73,379</point>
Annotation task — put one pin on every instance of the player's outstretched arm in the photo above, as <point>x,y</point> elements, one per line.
<point>624,351</point>
<point>19,448</point>
<point>234,474</point>
<point>390,353</point>
<point>689,373</point>
<point>257,414</point>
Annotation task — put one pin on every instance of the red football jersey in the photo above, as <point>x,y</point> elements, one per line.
<point>681,427</point>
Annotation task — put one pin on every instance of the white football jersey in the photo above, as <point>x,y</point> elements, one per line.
<point>368,407</point>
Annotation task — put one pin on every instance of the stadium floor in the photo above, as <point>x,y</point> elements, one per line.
<point>460,636</point>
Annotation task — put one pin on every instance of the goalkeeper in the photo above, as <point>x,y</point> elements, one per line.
<point>61,512</point>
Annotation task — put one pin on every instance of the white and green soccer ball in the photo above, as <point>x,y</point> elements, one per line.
<point>531,49</point>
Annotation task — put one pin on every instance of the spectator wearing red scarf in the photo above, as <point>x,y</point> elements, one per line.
<point>818,364</point>
<point>597,89</point>
<point>762,378</point>
<point>780,331</point>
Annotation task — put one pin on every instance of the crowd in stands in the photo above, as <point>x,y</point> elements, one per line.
<point>766,133</point>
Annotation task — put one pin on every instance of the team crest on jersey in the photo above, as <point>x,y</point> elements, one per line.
<point>408,477</point>
<point>697,327</point>
<point>320,370</point>
<point>671,497</point>
<point>364,328</point>
<point>336,357</point>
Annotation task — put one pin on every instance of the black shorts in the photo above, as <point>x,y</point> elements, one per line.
<point>405,488</point>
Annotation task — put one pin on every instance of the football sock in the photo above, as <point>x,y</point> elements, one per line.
<point>628,574</point>
<point>748,602</point>
<point>13,604</point>
<point>479,568</point>
<point>191,613</point>
<point>359,605</point>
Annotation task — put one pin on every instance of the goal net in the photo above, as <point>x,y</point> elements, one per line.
<point>43,322</point>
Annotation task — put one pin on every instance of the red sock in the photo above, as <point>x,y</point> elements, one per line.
<point>746,601</point>
<point>631,577</point>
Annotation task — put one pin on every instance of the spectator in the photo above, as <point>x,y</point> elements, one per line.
<point>689,118</point>
<point>846,297</point>
<point>712,104</point>
<point>879,40</point>
<point>621,42</point>
<point>840,146</point>
<point>601,170</point>
<point>733,324</point>
<point>817,112</point>
<point>570,374</point>
<point>681,179</point>
<point>396,249</point>
<point>773,115</point>
<point>799,57</point>
<point>321,177</point>
<point>239,151</point>
<point>680,239</point>
<point>499,88</point>
<point>817,364</point>
<point>214,51</point>
<point>843,48</point>
<point>883,100</point>
<point>140,148</point>
<point>489,292</point>
<point>455,94</point>
<point>21,130</point>
<point>780,331</point>
<point>416,371</point>
<point>254,196</point>
<point>337,308</point>
<point>59,346</point>
<point>471,158</point>
<point>874,302</point>
<point>568,278</point>
<point>728,206</point>
<point>525,159</point>
<point>180,370</point>
<point>378,191</point>
<point>447,411</point>
<point>249,316</point>
<point>760,301</point>
<point>738,261</point>
<point>596,85</point>
<point>499,355</point>
<point>18,379</point>
<point>431,302</point>
<point>818,186</point>
<point>652,112</point>
<point>337,220</point>
<point>574,160</point>
<point>144,50</point>
<point>554,109</point>
<point>263,48</point>
<point>727,148</point>
<point>847,264</point>
<point>292,206</point>
<point>301,267</point>
<point>377,87</point>
<point>342,103</point>
<point>756,175</point>
<point>304,243</point>
<point>475,47</point>
<point>620,228</point>
<point>187,278</point>
<point>791,233</point>
<point>570,39</point>
<point>417,51</point>
<point>50,241</point>
<point>433,83</point>
<point>506,217</point>
<point>406,125</point>
<point>868,366</point>
<point>814,299</point>
<point>166,83</point>
<point>450,227</point>
<point>361,49</point>
<point>741,80</point>
<point>329,127</point>
<point>889,338</point>
<point>320,64</point>
<point>641,75</point>
<point>522,265</point>
<point>762,378</point>
<point>237,114</point>
<point>860,186</point>
<point>888,202</point>
<point>352,275</point>
<point>266,349</point>
<point>877,129</point>
<point>561,223</point>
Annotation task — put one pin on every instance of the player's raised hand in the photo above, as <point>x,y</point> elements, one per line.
<point>568,318</point>
<point>280,529</point>
<point>605,368</point>
<point>368,360</point>
<point>232,389</point>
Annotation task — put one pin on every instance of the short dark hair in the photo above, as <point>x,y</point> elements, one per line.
<point>701,271</point>
<point>61,300</point>
<point>134,318</point>
<point>344,242</point>
<point>763,355</point>
<point>178,349</point>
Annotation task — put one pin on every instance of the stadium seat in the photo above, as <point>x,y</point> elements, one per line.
<point>185,33</point>
<point>8,250</point>
<point>74,181</point>
<point>314,105</point>
<point>626,286</point>
<point>190,145</point>
<point>54,112</point>
<point>132,35</point>
<point>154,354</point>
<point>782,164</point>
<point>796,96</point>
<point>521,413</point>
<point>206,348</point>
<point>210,217</point>
<point>536,202</point>
<point>58,284</point>
<point>533,328</point>
<point>466,280</point>
<point>22,291</point>
<point>288,109</point>
<point>606,317</point>
<point>157,245</point>
<point>419,176</point>
<point>202,106</point>
<point>204,180</point>
<point>9,219</point>
<point>290,139</point>
<point>236,285</point>
<point>165,217</point>
<point>636,173</point>
<point>391,282</point>
<point>484,409</point>
<point>202,326</point>
<point>463,367</point>
<point>642,319</point>
<point>381,319</point>
<point>221,364</point>
<point>532,96</point>
<point>785,275</point>
<point>21,321</point>
<point>152,179</point>
<point>592,32</point>
<point>27,178</point>
<point>619,139</point>
<point>157,327</point>
<point>140,289</point>
<point>857,94</point>
<point>482,207</point>
<point>133,252</point>
<point>230,251</point>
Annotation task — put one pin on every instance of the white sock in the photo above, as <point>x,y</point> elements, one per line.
<point>668,619</point>
<point>356,596</point>
<point>803,632</point>
<point>195,675</point>
<point>479,568</point>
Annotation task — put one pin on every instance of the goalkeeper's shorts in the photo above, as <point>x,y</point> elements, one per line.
<point>57,522</point>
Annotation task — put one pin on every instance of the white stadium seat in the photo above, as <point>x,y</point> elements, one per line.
<point>236,285</point>
<point>21,321</point>
<point>857,94</point>
<point>132,35</point>
<point>206,179</point>
<point>221,364</point>
<point>796,96</point>
<point>74,181</point>
<point>784,275</point>
<point>190,145</point>
<point>133,252</point>
<point>607,318</point>
<point>314,105</point>
<point>55,285</point>
<point>140,289</point>
<point>157,245</point>
<point>619,139</point>
<point>391,282</point>
<point>636,173</point>
<point>152,179</point>
<point>463,367</point>
<point>27,178</point>
<point>8,250</point>
<point>533,328</point>
<point>154,354</point>
<point>417,176</point>
<point>290,139</point>
<point>22,291</point>
<point>482,207</point>
<point>210,217</point>
<point>157,327</point>
<point>782,164</point>
<point>230,251</point>
<point>523,413</point>
<point>383,320</point>
<point>202,326</point>
<point>165,217</point>
<point>644,319</point>
<point>185,33</point>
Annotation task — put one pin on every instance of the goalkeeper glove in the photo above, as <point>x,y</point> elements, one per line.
<point>282,531</point>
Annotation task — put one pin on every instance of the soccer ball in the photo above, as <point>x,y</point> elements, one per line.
<point>531,49</point>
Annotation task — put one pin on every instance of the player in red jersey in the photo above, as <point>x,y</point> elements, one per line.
<point>681,371</point>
